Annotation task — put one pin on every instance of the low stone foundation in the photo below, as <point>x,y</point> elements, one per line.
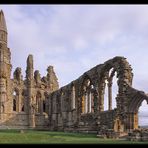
<point>138,135</point>
<point>108,133</point>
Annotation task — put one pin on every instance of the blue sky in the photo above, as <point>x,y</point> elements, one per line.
<point>75,38</point>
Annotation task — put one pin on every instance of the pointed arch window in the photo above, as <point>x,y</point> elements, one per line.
<point>110,89</point>
<point>14,100</point>
<point>87,103</point>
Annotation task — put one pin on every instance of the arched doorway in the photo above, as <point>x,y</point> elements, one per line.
<point>136,105</point>
<point>143,115</point>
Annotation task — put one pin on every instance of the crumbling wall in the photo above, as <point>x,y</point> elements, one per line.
<point>88,114</point>
<point>29,103</point>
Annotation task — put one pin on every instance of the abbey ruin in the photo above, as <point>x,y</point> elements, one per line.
<point>39,103</point>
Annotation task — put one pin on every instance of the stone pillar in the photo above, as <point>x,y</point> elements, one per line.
<point>90,99</point>
<point>32,117</point>
<point>86,103</point>
<point>3,97</point>
<point>41,108</point>
<point>83,104</point>
<point>130,122</point>
<point>110,95</point>
<point>30,86</point>
<point>73,98</point>
<point>101,98</point>
<point>52,79</point>
<point>136,121</point>
<point>19,102</point>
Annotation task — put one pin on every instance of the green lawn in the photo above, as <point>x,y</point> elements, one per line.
<point>46,137</point>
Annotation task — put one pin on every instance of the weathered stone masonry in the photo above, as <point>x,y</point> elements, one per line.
<point>23,103</point>
<point>79,106</point>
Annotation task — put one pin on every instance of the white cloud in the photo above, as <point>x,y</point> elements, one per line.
<point>82,32</point>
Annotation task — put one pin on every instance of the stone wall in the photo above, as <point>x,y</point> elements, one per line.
<point>79,106</point>
<point>15,121</point>
<point>23,102</point>
<point>28,98</point>
<point>138,135</point>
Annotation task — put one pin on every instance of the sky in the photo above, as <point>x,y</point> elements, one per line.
<point>75,38</point>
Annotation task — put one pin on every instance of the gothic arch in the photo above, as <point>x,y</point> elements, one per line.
<point>136,102</point>
<point>87,95</point>
<point>84,78</point>
<point>106,83</point>
<point>124,75</point>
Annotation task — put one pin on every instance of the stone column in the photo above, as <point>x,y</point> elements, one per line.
<point>32,117</point>
<point>30,88</point>
<point>86,103</point>
<point>19,102</point>
<point>136,121</point>
<point>101,98</point>
<point>83,104</point>
<point>41,108</point>
<point>110,95</point>
<point>73,98</point>
<point>2,95</point>
<point>90,102</point>
<point>129,123</point>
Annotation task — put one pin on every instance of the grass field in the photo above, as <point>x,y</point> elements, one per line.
<point>46,137</point>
